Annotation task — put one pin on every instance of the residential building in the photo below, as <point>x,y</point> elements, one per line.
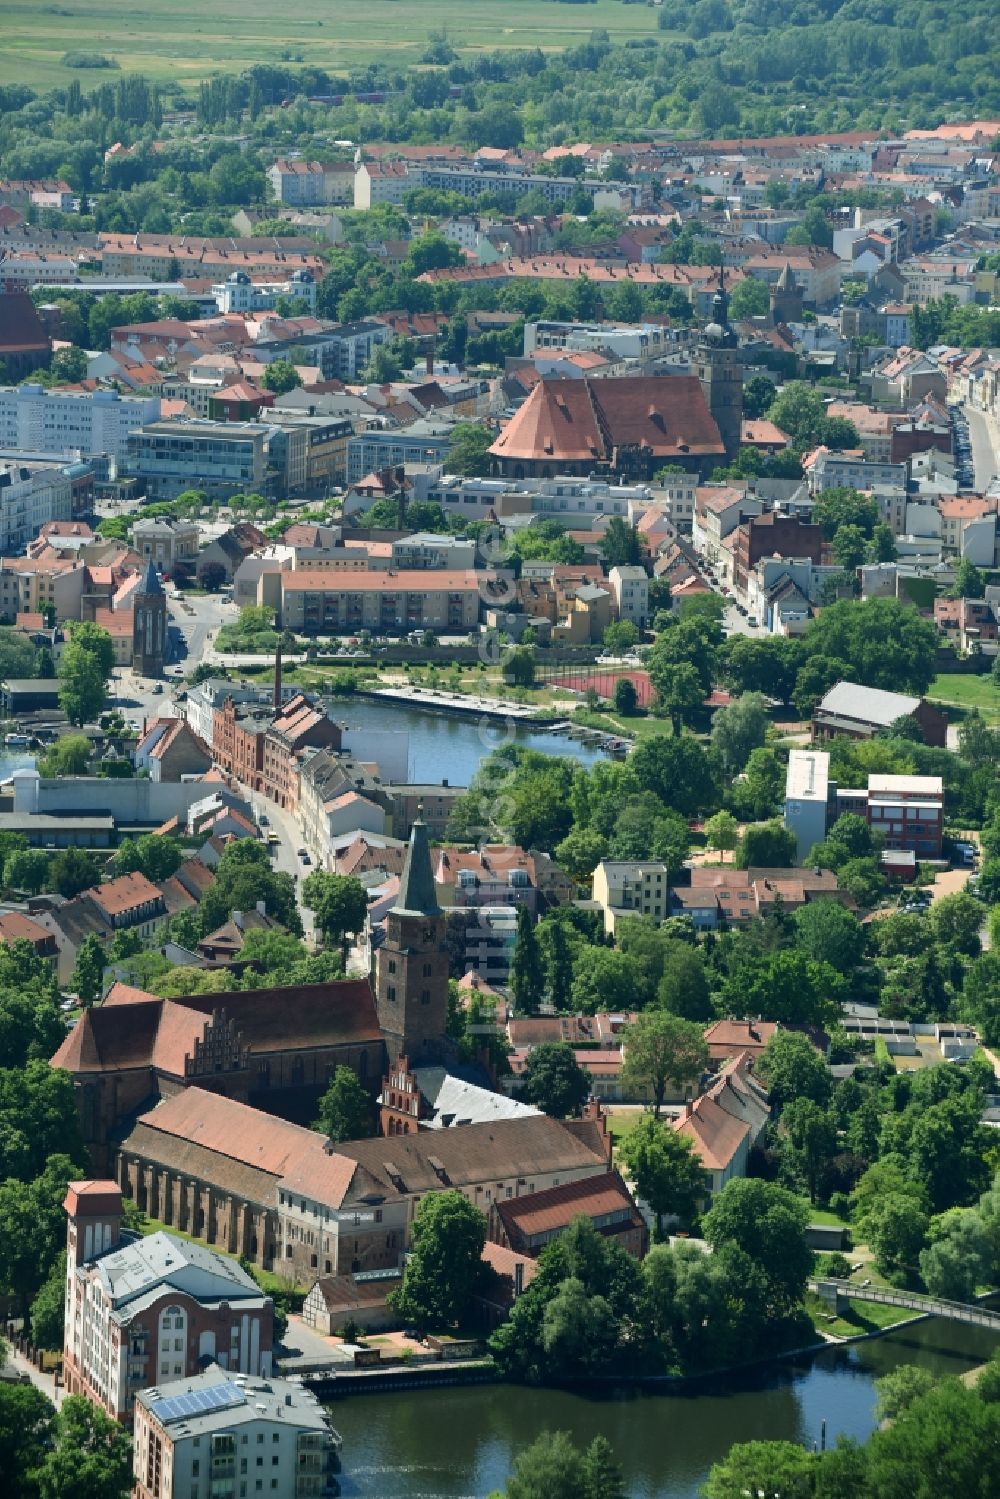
<point>170,750</point>
<point>826,470</point>
<point>230,550</point>
<point>219,1435</point>
<point>490,939</point>
<point>861,712</point>
<point>342,350</point>
<point>724,1123</point>
<point>527,1224</point>
<point>631,887</point>
<point>30,496</point>
<point>721,896</point>
<point>240,293</point>
<point>140,1312</point>
<point>630,586</point>
<point>772,535</point>
<point>318,601</point>
<point>259,745</point>
<point>807,794</point>
<point>498,874</point>
<point>307,184</point>
<point>97,422</point>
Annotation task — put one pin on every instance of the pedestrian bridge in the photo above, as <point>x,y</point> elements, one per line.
<point>837,1291</point>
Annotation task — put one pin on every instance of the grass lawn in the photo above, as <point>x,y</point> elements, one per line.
<point>961,691</point>
<point>826,1217</point>
<point>621,1122</point>
<point>861,1317</point>
<point>267,1280</point>
<point>182,44</point>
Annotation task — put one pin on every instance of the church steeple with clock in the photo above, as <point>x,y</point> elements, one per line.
<point>412,984</point>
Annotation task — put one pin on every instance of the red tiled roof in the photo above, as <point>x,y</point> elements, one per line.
<point>582,421</point>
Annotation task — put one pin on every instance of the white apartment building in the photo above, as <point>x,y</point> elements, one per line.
<point>238,293</point>
<point>30,496</point>
<point>630,586</point>
<point>308,184</point>
<point>70,423</point>
<point>219,1435</point>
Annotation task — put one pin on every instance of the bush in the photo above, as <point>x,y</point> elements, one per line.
<point>836,1266</point>
<point>88,60</point>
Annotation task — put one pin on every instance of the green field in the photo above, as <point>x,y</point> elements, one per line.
<point>960,691</point>
<point>180,43</point>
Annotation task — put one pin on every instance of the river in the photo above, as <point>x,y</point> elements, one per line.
<point>442,745</point>
<point>461,1443</point>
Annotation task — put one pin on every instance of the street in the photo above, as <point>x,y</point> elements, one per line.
<point>984,455</point>
<point>286,859</point>
<point>735,623</point>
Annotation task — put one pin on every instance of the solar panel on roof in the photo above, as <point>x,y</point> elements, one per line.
<point>197,1402</point>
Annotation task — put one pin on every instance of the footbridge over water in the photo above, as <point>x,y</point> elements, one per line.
<point>838,1292</point>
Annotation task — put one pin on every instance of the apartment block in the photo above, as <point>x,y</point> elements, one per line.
<point>36,420</point>
<point>222,458</point>
<point>630,887</point>
<point>316,600</point>
<point>216,1436</point>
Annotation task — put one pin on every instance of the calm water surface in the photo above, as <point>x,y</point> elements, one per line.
<point>445,747</point>
<point>462,1443</point>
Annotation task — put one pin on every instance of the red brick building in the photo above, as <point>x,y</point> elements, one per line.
<point>527,1224</point>
<point>140,1312</point>
<point>773,535</point>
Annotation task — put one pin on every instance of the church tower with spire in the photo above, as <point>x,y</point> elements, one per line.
<point>149,624</point>
<point>412,981</point>
<point>720,370</point>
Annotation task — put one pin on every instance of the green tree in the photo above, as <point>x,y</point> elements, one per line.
<point>791,1067</point>
<point>798,409</point>
<point>552,1468</point>
<point>156,855</point>
<point>339,903</point>
<point>848,547</point>
<point>280,376</point>
<point>469,451</point>
<point>678,690</point>
<point>26,869</point>
<point>558,959</point>
<point>621,544</point>
<point>580,852</point>
<point>678,770</point>
<point>72,870</point>
<point>25,1419</point>
<point>682,987</point>
<point>662,1050</point>
<point>620,636</point>
<point>526,979</point>
<point>345,1110</point>
<point>90,1456</point>
<point>769,1468</point>
<point>48,1308</point>
<point>626,699</point>
<point>842,506</point>
<point>554,1081</point>
<point>519,667</point>
<point>897,1390</point>
<point>90,637</point>
<point>738,729</point>
<point>812,1134</point>
<point>768,1224</point>
<point>243,877</point>
<point>721,832</point>
<point>445,1267</point>
<point>605,980</point>
<point>32,1228</point>
<point>766,845</point>
<point>758,391</point>
<point>828,933</point>
<point>68,756</point>
<point>896,1231</point>
<point>959,1257</point>
<point>667,1172</point>
<point>82,694</point>
<point>87,979</point>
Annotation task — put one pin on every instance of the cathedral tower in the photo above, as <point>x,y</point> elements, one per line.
<point>412,986</point>
<point>720,370</point>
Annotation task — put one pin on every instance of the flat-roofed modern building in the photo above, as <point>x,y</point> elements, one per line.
<point>222,458</point>
<point>216,1436</point>
<point>807,793</point>
<point>36,420</point>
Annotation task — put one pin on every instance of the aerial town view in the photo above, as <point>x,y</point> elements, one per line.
<point>500,749</point>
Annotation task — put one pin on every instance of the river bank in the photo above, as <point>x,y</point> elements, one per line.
<point>460,1442</point>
